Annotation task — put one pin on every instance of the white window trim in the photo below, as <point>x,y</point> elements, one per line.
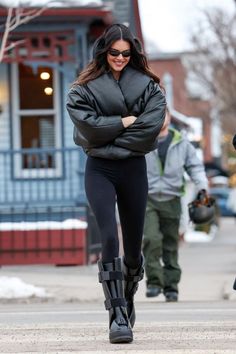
<point>19,172</point>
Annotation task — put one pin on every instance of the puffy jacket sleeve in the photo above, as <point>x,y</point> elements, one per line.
<point>96,129</point>
<point>142,134</point>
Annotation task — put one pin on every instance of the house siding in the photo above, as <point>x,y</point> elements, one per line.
<point>65,189</point>
<point>67,80</point>
<point>68,187</point>
<point>121,10</point>
<point>4,102</point>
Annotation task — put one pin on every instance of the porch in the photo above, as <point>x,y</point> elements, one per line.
<point>41,177</point>
<point>42,202</point>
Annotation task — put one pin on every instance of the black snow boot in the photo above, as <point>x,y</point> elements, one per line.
<point>132,277</point>
<point>111,277</point>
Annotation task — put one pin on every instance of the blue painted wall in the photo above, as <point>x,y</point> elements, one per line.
<point>68,188</point>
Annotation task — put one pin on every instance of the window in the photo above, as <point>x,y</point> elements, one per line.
<point>36,123</point>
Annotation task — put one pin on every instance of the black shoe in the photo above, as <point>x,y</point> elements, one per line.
<point>234,286</point>
<point>171,296</point>
<point>153,290</point>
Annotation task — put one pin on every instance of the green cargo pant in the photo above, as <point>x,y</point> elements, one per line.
<point>160,243</point>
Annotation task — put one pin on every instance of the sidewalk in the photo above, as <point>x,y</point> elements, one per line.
<point>209,270</point>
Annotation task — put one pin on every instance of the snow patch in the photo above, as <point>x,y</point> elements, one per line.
<point>200,236</point>
<point>68,224</point>
<point>15,288</point>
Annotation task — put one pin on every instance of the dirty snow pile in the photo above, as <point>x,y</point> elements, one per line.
<point>192,235</point>
<point>15,288</point>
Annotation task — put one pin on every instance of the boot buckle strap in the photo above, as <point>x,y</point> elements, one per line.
<point>134,278</point>
<point>115,302</point>
<point>110,275</point>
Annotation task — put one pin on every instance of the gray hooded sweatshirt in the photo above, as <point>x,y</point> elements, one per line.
<point>169,183</point>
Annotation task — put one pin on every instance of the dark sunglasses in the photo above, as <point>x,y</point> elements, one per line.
<point>116,53</point>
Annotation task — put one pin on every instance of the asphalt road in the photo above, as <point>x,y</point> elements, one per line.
<point>74,320</point>
<point>186,327</point>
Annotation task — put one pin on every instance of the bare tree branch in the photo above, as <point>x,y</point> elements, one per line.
<point>14,44</point>
<point>6,33</point>
<point>213,61</point>
<point>15,18</point>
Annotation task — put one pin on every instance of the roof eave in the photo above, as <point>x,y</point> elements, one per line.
<point>59,14</point>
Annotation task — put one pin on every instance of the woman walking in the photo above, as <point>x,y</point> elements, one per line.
<point>118,109</point>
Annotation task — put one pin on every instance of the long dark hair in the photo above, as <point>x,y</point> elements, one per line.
<point>99,65</point>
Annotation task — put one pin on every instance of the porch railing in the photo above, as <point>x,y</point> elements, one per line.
<point>43,185</point>
<point>41,177</point>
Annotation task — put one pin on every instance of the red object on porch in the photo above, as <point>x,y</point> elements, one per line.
<point>59,247</point>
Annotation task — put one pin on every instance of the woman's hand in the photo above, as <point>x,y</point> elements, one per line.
<point>127,121</point>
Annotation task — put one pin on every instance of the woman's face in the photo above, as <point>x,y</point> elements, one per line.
<point>118,56</point>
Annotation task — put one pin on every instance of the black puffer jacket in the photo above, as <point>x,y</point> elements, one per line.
<point>96,110</point>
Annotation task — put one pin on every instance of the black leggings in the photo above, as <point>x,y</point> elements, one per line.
<point>124,181</point>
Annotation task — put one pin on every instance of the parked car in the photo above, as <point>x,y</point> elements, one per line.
<point>221,194</point>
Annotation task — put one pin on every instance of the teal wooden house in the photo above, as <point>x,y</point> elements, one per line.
<point>41,169</point>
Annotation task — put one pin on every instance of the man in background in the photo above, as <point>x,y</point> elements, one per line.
<point>165,168</point>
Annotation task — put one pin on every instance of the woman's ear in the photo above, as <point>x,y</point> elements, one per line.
<point>98,45</point>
